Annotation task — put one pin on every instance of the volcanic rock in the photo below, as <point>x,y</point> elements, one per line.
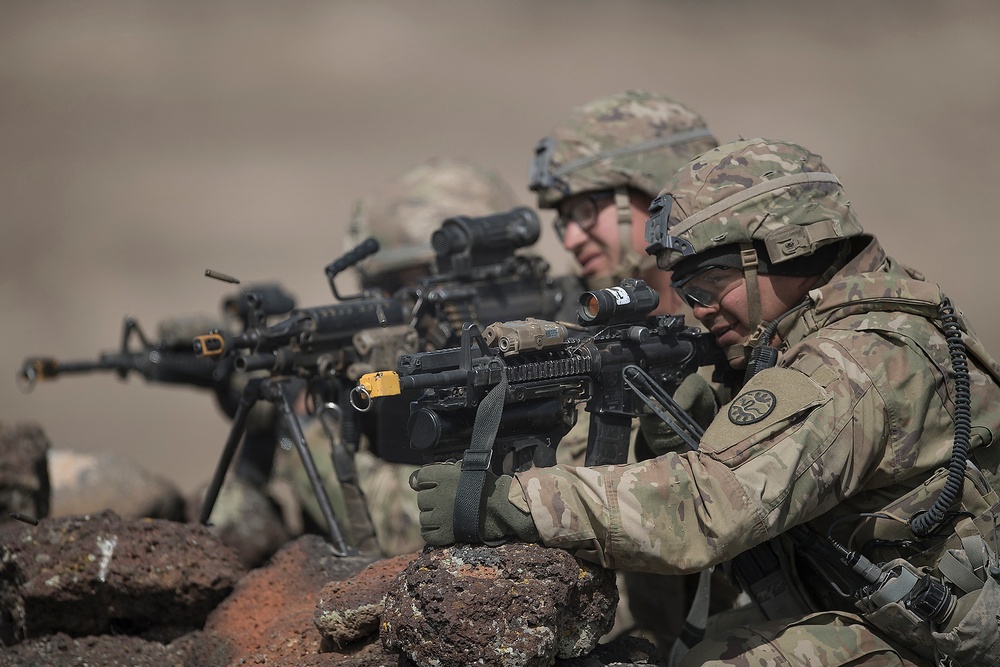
<point>100,573</point>
<point>517,605</point>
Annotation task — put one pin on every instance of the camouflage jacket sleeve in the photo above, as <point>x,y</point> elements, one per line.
<point>793,444</point>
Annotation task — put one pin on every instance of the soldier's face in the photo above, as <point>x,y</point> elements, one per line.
<point>729,319</point>
<point>588,227</point>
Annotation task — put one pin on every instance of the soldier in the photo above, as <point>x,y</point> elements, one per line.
<point>401,216</point>
<point>854,478</point>
<point>599,170</point>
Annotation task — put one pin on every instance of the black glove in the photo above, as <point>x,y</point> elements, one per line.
<point>696,397</point>
<point>436,485</point>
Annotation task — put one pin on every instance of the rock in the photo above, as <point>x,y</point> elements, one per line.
<point>245,519</point>
<point>24,475</point>
<point>100,589</point>
<point>351,610</point>
<point>101,573</point>
<point>61,650</point>
<point>85,483</point>
<point>517,605</point>
<point>269,616</point>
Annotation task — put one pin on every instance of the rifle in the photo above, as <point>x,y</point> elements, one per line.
<point>477,278</point>
<point>612,365</point>
<point>504,398</point>
<point>167,359</point>
<point>477,275</point>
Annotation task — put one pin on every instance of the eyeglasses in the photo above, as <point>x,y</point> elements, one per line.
<point>708,286</point>
<point>582,209</point>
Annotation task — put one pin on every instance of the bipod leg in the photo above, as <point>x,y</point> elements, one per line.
<point>249,397</point>
<point>292,422</point>
<point>362,528</point>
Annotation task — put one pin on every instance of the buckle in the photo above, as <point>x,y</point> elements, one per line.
<point>477,461</point>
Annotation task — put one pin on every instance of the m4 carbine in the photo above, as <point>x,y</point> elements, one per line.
<point>168,358</point>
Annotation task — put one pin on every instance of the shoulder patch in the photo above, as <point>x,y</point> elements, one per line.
<point>773,399</point>
<point>752,406</point>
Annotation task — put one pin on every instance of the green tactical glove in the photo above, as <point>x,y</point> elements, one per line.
<point>697,398</point>
<point>436,485</point>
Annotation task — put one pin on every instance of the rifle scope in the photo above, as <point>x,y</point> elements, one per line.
<point>631,300</point>
<point>465,242</point>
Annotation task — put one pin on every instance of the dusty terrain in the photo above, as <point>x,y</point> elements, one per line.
<point>142,142</point>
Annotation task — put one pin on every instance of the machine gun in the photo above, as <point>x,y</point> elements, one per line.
<point>504,398</point>
<point>479,279</point>
<point>615,366</point>
<point>168,358</point>
<point>477,276</point>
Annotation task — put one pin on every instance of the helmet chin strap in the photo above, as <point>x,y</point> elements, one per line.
<point>630,262</point>
<point>748,256</point>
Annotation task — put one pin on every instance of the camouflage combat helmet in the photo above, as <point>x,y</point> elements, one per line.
<point>767,203</point>
<point>403,214</point>
<point>633,140</point>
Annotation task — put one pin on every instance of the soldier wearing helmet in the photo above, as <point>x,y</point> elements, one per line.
<point>404,213</point>
<point>401,215</point>
<point>852,482</point>
<point>600,169</point>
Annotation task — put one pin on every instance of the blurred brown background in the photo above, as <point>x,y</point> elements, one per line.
<point>142,142</point>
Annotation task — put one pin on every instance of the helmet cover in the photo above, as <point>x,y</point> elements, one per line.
<point>634,139</point>
<point>775,193</point>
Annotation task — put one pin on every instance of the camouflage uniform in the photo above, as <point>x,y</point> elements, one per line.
<point>857,416</point>
<point>629,142</point>
<point>401,216</point>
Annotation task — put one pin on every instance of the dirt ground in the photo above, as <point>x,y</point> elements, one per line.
<point>143,142</point>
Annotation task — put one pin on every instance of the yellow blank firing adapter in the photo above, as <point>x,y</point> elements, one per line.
<point>209,345</point>
<point>374,385</point>
<point>382,383</point>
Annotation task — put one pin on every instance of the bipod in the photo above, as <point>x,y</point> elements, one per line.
<point>331,417</point>
<point>274,391</point>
